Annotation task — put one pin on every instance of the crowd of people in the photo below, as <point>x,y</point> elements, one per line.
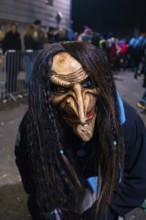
<point>124,53</point>
<point>119,53</point>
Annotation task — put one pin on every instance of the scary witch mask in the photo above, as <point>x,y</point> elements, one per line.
<point>74,95</point>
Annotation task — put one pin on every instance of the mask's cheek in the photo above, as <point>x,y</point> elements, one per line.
<point>70,110</point>
<point>74,109</point>
<point>70,113</point>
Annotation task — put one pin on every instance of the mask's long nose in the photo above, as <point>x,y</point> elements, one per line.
<point>80,102</point>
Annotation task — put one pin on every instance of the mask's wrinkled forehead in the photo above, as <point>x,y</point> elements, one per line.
<point>66,70</point>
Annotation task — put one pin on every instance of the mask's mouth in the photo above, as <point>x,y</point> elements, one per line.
<point>74,119</point>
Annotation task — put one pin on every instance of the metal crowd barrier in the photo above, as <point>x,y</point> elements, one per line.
<point>15,72</point>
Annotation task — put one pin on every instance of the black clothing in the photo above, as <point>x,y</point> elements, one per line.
<point>132,190</point>
<point>1,45</point>
<point>13,59</point>
<point>31,43</point>
<point>144,79</point>
<point>128,194</point>
<point>12,42</point>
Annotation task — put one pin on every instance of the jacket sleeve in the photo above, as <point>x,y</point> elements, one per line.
<point>5,43</point>
<point>131,192</point>
<point>22,159</point>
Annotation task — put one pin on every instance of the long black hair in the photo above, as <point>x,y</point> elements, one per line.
<point>56,180</point>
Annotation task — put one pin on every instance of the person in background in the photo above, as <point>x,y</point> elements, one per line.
<point>138,52</point>
<point>31,46</point>
<point>70,32</point>
<point>86,36</point>
<point>41,35</point>
<point>61,35</point>
<point>11,49</point>
<point>103,48</point>
<point>80,148</point>
<point>51,34</point>
<point>1,40</point>
<point>142,102</point>
<point>1,46</point>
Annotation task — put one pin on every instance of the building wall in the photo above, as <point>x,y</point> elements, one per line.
<point>26,11</point>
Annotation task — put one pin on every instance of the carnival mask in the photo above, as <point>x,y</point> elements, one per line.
<point>74,94</point>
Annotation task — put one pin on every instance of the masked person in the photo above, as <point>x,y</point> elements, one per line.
<point>80,149</point>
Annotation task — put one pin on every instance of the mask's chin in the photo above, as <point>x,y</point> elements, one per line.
<point>84,131</point>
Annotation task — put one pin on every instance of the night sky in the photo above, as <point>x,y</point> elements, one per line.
<point>109,15</point>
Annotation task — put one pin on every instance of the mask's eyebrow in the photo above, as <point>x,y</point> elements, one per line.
<point>57,81</point>
<point>67,80</point>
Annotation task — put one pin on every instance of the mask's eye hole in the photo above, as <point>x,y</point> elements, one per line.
<point>87,83</point>
<point>59,89</point>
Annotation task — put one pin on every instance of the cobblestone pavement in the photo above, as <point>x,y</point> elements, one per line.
<point>12,196</point>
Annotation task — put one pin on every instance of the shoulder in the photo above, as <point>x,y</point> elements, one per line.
<point>132,116</point>
<point>133,129</point>
<point>130,112</point>
<point>21,137</point>
<point>24,119</point>
<point>23,128</point>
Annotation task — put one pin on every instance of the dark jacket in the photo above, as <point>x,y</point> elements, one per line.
<point>132,190</point>
<point>128,194</point>
<point>31,43</point>
<point>11,42</point>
